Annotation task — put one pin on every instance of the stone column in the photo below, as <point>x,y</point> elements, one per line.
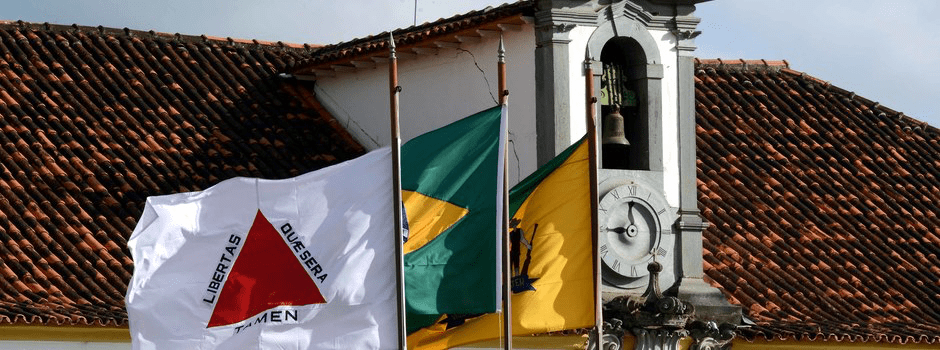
<point>552,109</point>
<point>554,20</point>
<point>709,302</point>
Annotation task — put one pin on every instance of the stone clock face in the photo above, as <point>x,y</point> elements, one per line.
<point>632,223</point>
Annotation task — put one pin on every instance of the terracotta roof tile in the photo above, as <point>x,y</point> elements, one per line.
<point>823,205</point>
<point>97,119</point>
<point>442,29</point>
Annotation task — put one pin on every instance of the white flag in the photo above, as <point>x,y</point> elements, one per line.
<point>301,263</point>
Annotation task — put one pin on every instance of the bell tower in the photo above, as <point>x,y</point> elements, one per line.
<point>627,82</point>
<point>650,228</point>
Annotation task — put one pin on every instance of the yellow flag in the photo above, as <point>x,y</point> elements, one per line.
<point>551,259</point>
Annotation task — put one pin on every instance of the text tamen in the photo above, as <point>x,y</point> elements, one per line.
<point>273,316</point>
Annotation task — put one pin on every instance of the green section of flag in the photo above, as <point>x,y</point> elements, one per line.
<point>455,273</point>
<point>553,281</point>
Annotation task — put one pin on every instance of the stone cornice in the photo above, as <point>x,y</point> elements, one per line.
<point>553,33</point>
<point>691,222</point>
<point>651,15</point>
<point>656,20</point>
<point>554,16</point>
<point>555,21</point>
<point>684,30</point>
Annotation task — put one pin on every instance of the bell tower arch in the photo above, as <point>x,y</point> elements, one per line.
<point>631,88</point>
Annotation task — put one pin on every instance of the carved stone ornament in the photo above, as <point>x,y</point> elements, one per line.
<point>659,322</point>
<point>658,339</point>
<point>652,309</point>
<point>686,34</point>
<point>556,27</point>
<point>613,336</point>
<point>711,336</point>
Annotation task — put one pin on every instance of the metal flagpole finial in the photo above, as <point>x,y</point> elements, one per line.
<point>587,58</point>
<point>502,50</point>
<point>391,43</point>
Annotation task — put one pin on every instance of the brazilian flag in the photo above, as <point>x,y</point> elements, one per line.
<point>551,259</point>
<point>450,188</point>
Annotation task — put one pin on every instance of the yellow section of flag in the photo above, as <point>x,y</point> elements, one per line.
<point>427,218</point>
<point>551,260</point>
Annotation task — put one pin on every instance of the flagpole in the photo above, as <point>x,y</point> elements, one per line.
<point>592,171</point>
<point>507,292</point>
<point>394,91</point>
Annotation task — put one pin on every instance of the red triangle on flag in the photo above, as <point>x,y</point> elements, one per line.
<point>265,274</point>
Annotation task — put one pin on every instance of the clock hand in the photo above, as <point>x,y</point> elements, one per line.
<point>630,212</point>
<point>631,229</point>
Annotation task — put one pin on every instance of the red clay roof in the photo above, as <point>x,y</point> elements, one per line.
<point>824,206</point>
<point>94,120</point>
<point>444,29</point>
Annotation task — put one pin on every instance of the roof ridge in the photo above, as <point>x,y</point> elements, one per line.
<point>907,123</point>
<point>782,66</point>
<point>807,183</point>
<point>415,33</point>
<point>20,24</point>
<point>432,23</point>
<point>743,64</point>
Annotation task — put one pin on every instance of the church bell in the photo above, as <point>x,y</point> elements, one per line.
<point>613,133</point>
<point>614,140</point>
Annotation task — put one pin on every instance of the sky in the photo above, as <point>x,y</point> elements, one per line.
<point>886,51</point>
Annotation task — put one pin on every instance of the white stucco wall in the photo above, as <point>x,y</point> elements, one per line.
<point>576,50</point>
<point>667,52</point>
<point>665,42</point>
<point>439,89</point>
